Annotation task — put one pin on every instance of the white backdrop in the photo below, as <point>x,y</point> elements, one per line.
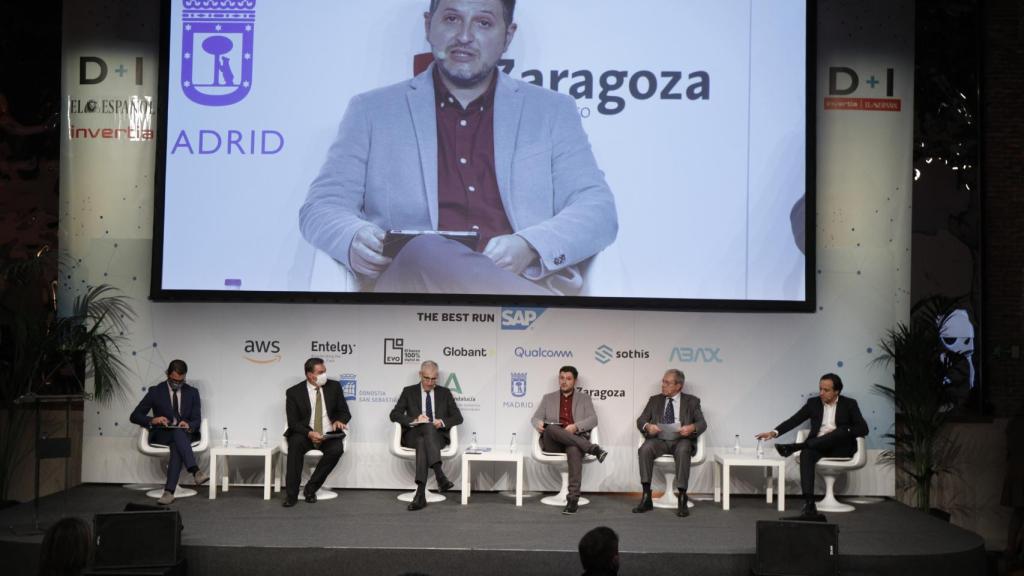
<point>750,370</point>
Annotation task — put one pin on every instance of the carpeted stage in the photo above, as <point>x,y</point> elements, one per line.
<point>369,532</point>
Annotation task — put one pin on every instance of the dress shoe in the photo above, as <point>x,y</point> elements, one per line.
<point>645,505</point>
<point>785,450</point>
<point>599,452</point>
<point>310,497</point>
<point>445,485</point>
<point>289,502</point>
<point>683,507</point>
<point>572,505</point>
<point>200,477</point>
<point>809,513</point>
<point>166,498</point>
<point>418,502</point>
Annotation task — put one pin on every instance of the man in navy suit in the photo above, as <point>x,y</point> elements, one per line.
<point>314,407</point>
<point>427,413</point>
<point>175,423</point>
<point>836,423</point>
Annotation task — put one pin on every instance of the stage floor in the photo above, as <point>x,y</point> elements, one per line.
<point>370,532</point>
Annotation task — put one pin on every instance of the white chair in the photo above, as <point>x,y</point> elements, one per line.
<point>830,469</point>
<point>161,451</point>
<point>667,464</point>
<point>447,453</point>
<point>322,493</point>
<point>561,461</point>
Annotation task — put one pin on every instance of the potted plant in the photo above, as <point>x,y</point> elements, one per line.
<point>923,370</point>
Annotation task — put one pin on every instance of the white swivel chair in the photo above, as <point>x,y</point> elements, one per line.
<point>830,469</point>
<point>447,453</point>
<point>667,464</point>
<point>322,493</point>
<point>560,460</point>
<point>162,451</point>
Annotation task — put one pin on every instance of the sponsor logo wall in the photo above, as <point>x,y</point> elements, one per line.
<point>750,370</point>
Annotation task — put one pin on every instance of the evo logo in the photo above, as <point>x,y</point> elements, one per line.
<point>518,318</point>
<point>699,355</point>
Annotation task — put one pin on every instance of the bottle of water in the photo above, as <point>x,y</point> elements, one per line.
<point>224,436</point>
<point>760,448</point>
<point>263,438</point>
<point>472,445</point>
<point>736,446</point>
<point>514,445</point>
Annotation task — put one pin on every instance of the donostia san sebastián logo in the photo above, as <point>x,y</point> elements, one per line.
<point>217,50</point>
<point>262,351</point>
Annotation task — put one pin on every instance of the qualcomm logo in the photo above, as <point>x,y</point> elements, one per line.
<point>348,386</point>
<point>217,42</point>
<point>690,354</point>
<point>539,352</point>
<point>517,318</point>
<point>604,354</point>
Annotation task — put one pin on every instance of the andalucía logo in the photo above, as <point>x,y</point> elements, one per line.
<point>216,50</point>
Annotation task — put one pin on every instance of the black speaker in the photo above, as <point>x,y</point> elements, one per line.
<point>797,549</point>
<point>137,539</point>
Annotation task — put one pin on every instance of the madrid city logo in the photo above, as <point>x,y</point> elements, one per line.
<point>217,50</point>
<point>518,384</point>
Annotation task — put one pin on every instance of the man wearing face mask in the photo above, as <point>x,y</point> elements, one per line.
<point>175,423</point>
<point>463,147</point>
<point>314,407</point>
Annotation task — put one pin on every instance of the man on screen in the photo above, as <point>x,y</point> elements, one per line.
<point>427,414</point>
<point>463,147</point>
<point>318,416</point>
<point>836,423</point>
<point>564,419</point>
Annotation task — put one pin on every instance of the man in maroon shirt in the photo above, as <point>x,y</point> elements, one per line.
<point>464,148</point>
<point>565,418</point>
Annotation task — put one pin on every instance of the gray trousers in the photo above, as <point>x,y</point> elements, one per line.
<point>556,439</point>
<point>428,442</point>
<point>681,450</point>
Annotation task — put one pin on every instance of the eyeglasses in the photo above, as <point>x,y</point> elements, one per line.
<point>429,379</point>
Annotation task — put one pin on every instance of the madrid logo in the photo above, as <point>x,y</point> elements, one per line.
<point>518,384</point>
<point>217,50</point>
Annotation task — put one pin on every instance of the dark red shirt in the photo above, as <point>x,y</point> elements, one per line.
<point>565,410</point>
<point>467,185</point>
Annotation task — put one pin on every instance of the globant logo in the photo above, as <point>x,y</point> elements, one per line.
<point>517,318</point>
<point>522,352</point>
<point>460,352</point>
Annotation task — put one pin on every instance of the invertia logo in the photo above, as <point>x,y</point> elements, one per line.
<point>844,82</point>
<point>262,351</point>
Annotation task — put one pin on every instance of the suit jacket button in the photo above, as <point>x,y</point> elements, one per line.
<point>560,260</point>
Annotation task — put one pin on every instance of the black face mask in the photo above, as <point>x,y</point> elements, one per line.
<point>175,385</point>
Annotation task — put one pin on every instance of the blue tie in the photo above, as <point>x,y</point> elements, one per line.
<point>670,414</point>
<point>430,408</point>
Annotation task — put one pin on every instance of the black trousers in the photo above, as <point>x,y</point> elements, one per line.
<point>681,449</point>
<point>838,444</point>
<point>557,439</point>
<point>179,442</point>
<point>298,445</point>
<point>428,442</point>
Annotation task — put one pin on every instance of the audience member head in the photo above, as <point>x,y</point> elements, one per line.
<point>599,551</point>
<point>67,546</point>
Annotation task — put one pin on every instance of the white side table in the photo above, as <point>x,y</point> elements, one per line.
<point>723,463</point>
<point>493,456</point>
<point>267,453</point>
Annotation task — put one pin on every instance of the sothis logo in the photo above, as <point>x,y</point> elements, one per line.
<point>516,318</point>
<point>452,383</point>
<point>518,384</point>
<point>844,83</point>
<point>217,50</point>
<point>348,386</point>
<point>690,354</point>
<point>262,351</point>
<point>604,354</point>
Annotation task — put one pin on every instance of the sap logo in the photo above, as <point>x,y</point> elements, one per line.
<point>93,70</point>
<point>688,354</point>
<point>519,318</point>
<point>604,354</point>
<point>262,351</point>
<point>843,81</point>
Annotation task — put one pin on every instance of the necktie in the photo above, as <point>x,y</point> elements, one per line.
<point>670,414</point>
<point>174,407</point>
<point>430,408</point>
<point>318,413</point>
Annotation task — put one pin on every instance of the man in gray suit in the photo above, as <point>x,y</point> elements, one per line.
<point>565,418</point>
<point>463,147</point>
<point>670,423</point>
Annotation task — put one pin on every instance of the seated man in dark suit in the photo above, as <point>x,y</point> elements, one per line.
<point>670,423</point>
<point>427,413</point>
<point>315,406</point>
<point>175,423</point>
<point>836,423</point>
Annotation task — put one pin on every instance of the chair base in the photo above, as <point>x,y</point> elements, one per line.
<point>432,497</point>
<point>325,494</point>
<point>561,500</point>
<point>140,487</point>
<point>179,492</point>
<point>830,504</point>
<point>669,499</point>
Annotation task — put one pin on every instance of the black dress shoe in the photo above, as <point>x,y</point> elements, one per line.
<point>785,450</point>
<point>645,505</point>
<point>310,497</point>
<point>289,502</point>
<point>683,508</point>
<point>445,485</point>
<point>600,453</point>
<point>572,506</point>
<point>418,503</point>
<point>809,513</point>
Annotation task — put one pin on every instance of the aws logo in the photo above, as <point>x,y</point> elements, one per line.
<point>262,351</point>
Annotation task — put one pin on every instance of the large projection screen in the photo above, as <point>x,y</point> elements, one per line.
<point>697,114</point>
